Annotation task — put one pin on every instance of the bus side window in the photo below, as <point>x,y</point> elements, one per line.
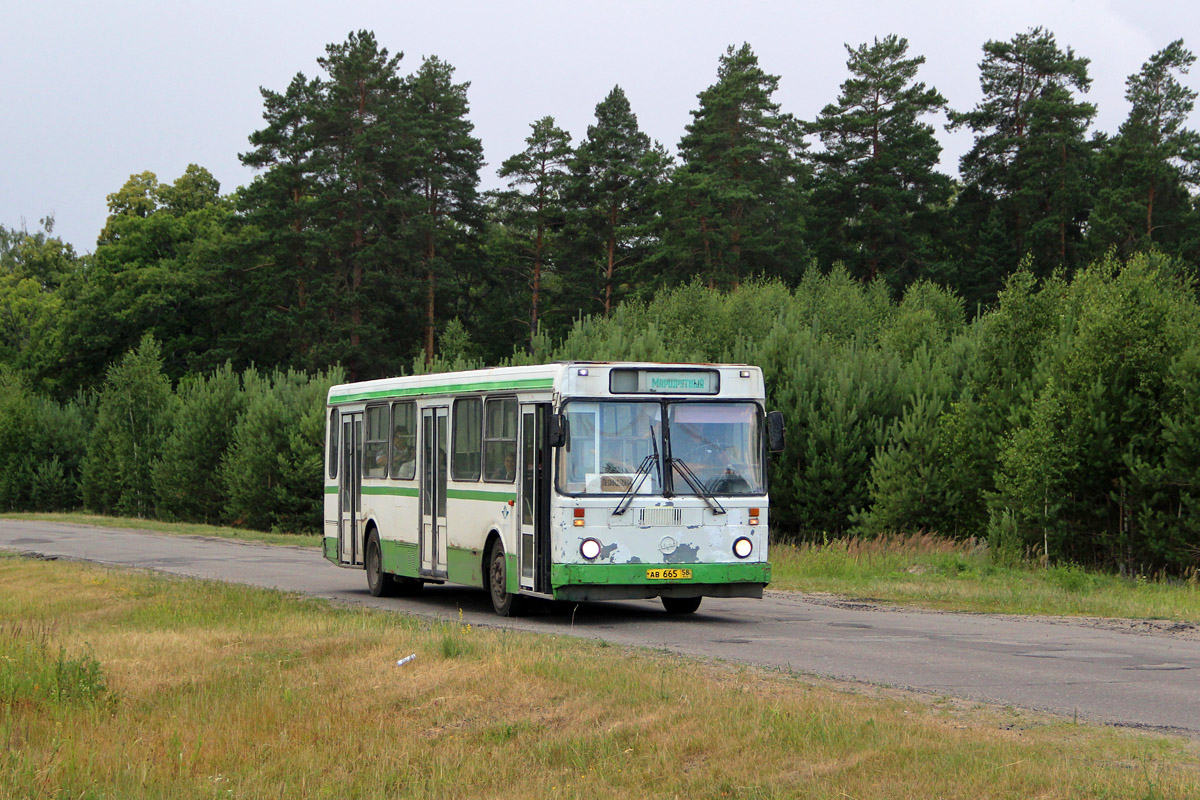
<point>404,441</point>
<point>468,430</point>
<point>375,446</point>
<point>500,440</point>
<point>332,452</point>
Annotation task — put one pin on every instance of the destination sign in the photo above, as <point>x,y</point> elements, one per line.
<point>658,381</point>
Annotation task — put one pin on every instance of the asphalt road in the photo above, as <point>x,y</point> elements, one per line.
<point>1146,679</point>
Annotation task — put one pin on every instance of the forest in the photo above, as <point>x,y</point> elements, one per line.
<point>1010,354</point>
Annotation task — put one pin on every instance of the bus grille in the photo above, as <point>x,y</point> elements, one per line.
<point>665,517</point>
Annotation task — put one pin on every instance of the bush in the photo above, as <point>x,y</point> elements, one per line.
<point>273,467</point>
<point>187,481</point>
<point>42,444</point>
<point>131,425</point>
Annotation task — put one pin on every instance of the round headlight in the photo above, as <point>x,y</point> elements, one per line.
<point>743,547</point>
<point>589,549</point>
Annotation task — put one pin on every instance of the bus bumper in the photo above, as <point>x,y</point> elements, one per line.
<point>587,582</point>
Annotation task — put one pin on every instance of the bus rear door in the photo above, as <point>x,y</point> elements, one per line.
<point>350,491</point>
<point>434,433</point>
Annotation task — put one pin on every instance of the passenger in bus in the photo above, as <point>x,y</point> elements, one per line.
<point>403,457</point>
<point>510,466</point>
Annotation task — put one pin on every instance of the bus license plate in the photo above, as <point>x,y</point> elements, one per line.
<point>669,574</point>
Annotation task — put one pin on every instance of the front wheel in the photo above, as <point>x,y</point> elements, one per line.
<point>506,603</point>
<point>681,605</point>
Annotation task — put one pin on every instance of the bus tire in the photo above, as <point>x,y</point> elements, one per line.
<point>504,602</point>
<point>681,605</point>
<point>379,583</point>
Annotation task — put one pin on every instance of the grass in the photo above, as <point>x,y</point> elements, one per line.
<point>192,689</point>
<point>932,572</point>
<point>917,570</point>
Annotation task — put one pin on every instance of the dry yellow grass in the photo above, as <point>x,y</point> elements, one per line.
<point>218,691</point>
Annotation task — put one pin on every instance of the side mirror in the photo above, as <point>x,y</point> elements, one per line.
<point>775,431</point>
<point>559,432</point>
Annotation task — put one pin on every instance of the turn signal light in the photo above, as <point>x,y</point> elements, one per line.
<point>579,518</point>
<point>754,516</point>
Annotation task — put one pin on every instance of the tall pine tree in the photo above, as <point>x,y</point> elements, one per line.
<point>366,201</point>
<point>877,196</point>
<point>534,207</point>
<point>735,205</point>
<point>1028,171</point>
<point>615,174</point>
<point>359,163</point>
<point>1147,169</point>
<point>324,215</point>
<point>446,157</point>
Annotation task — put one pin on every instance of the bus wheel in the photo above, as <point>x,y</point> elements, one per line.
<point>379,582</point>
<point>681,605</point>
<point>505,603</point>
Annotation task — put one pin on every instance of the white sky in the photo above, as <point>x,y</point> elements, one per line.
<point>91,93</point>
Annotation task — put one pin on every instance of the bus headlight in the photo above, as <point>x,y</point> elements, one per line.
<point>590,549</point>
<point>743,547</point>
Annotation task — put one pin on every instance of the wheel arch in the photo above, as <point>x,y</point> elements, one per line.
<point>492,538</point>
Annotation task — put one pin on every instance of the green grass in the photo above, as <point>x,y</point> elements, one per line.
<point>962,576</point>
<point>196,689</point>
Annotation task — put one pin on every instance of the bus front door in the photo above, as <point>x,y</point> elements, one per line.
<point>534,547</point>
<point>434,433</point>
<point>350,491</point>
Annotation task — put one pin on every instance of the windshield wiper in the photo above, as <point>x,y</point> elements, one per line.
<point>642,471</point>
<point>697,485</point>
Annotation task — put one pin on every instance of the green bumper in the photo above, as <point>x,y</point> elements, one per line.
<point>614,581</point>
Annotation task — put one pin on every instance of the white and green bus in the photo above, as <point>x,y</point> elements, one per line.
<point>572,481</point>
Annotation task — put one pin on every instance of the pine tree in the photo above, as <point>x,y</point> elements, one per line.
<point>187,484</point>
<point>330,217</point>
<point>272,280</point>
<point>360,164</point>
<point>535,205</point>
<point>615,174</point>
<point>736,204</point>
<point>445,161</point>
<point>127,440</point>
<point>1030,158</point>
<point>1147,169</point>
<point>877,194</point>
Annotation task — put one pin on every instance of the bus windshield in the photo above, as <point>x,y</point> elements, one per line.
<point>608,443</point>
<point>720,443</point>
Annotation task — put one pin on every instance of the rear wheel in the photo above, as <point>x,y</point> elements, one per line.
<point>681,605</point>
<point>506,603</point>
<point>379,583</point>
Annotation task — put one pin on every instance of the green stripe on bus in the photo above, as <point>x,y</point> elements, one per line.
<point>397,491</point>
<point>472,494</point>
<point>449,388</point>
<point>331,490</point>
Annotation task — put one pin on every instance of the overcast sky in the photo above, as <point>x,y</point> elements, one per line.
<point>91,93</point>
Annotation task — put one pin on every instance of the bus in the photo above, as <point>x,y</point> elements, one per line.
<point>575,481</point>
